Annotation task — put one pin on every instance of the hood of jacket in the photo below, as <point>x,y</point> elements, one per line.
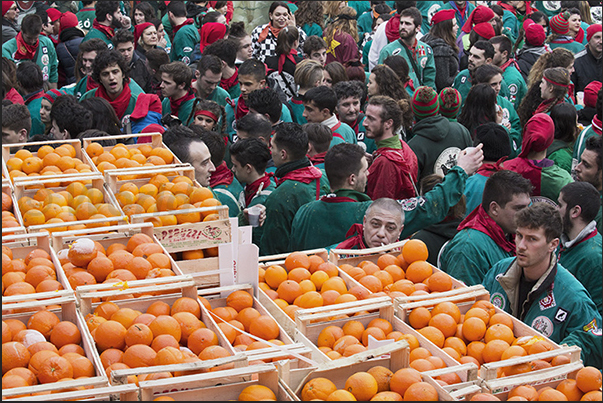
<point>434,128</point>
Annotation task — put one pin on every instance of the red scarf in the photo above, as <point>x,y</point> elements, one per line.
<point>119,104</point>
<point>488,169</point>
<point>480,221</point>
<point>24,50</point>
<point>242,109</point>
<point>91,84</point>
<point>597,125</point>
<point>228,83</point>
<point>318,158</point>
<point>221,176</point>
<point>356,240</point>
<point>303,175</point>
<point>105,29</point>
<point>508,63</point>
<point>175,104</point>
<point>185,23</point>
<point>283,57</point>
<point>269,28</point>
<point>544,106</point>
<point>579,36</point>
<point>255,187</point>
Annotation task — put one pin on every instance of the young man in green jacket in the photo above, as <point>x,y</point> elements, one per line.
<point>516,85</point>
<point>539,291</point>
<point>186,35</point>
<point>485,236</point>
<point>108,18</point>
<point>589,170</point>
<point>176,89</point>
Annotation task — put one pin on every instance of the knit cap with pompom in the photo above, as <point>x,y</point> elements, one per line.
<point>450,102</point>
<point>560,23</point>
<point>425,103</point>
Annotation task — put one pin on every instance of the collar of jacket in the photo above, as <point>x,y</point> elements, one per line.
<point>509,281</point>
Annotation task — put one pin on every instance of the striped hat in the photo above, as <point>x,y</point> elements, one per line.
<point>450,102</point>
<point>560,23</point>
<point>52,95</point>
<point>425,103</point>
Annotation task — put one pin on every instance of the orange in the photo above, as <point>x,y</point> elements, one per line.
<point>421,391</point>
<point>201,339</point>
<point>275,275</point>
<point>486,306</point>
<point>372,283</point>
<point>94,149</point>
<point>33,217</point>
<point>418,271</point>
<point>526,391</point>
<point>382,375</point>
<point>551,395</point>
<point>434,335</point>
<point>164,324</point>
<point>110,334</point>
<point>494,350</point>
<point>264,327</point>
<point>239,300</point>
<point>503,318</point>
<point>166,201</point>
<point>499,331</point>
<point>588,379</point>
<point>475,349</point>
<point>514,351</point>
<point>422,365</point>
<point>15,164</point>
<point>539,347</point>
<point>54,369</point>
<point>478,313</point>
<point>297,259</point>
<point>334,283</point>
<point>445,323</point>
<point>593,396</point>
<point>199,194</point>
<point>139,355</point>
<point>419,317</point>
<point>256,392</point>
<point>32,165</point>
<point>474,329</point>
<point>414,250</point>
<point>570,389</point>
<point>317,388</point>
<point>447,308</point>
<point>403,379</point>
<point>362,385</point>
<point>439,282</point>
<point>66,150</point>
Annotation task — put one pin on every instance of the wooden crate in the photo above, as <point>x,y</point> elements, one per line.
<point>96,181</point>
<point>5,178</point>
<point>171,288</point>
<point>128,392</point>
<point>301,355</point>
<point>281,317</point>
<point>7,188</point>
<point>216,386</point>
<point>67,312</point>
<point>77,145</point>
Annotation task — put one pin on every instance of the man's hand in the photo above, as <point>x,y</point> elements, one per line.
<point>262,213</point>
<point>470,159</point>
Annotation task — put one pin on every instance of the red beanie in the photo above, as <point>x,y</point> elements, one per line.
<point>591,91</point>
<point>484,29</point>
<point>538,134</point>
<point>534,33</point>
<point>67,20</point>
<point>54,14</point>
<point>591,30</point>
<point>6,5</point>
<point>480,14</point>
<point>560,23</point>
<point>139,29</point>
<point>442,15</point>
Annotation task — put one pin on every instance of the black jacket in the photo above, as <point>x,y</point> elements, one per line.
<point>67,50</point>
<point>140,72</point>
<point>526,58</point>
<point>446,61</point>
<point>9,30</point>
<point>587,69</point>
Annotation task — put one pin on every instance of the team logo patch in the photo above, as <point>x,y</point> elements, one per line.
<point>125,120</point>
<point>421,52</point>
<point>44,50</point>
<point>110,46</point>
<point>432,10</point>
<point>544,325</point>
<point>513,89</point>
<point>498,300</point>
<point>463,79</point>
<point>423,62</point>
<point>547,302</point>
<point>187,49</point>
<point>411,204</point>
<point>396,51</point>
<point>591,325</point>
<point>45,59</point>
<point>446,161</point>
<point>552,5</point>
<point>561,315</point>
<point>186,60</point>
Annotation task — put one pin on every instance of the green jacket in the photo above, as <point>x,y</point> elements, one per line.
<point>510,114</point>
<point>516,85</point>
<point>365,24</point>
<point>219,96</point>
<point>184,43</point>
<point>314,29</point>
<point>34,105</point>
<point>227,195</point>
<point>95,33</point>
<point>561,153</point>
<point>80,87</point>
<point>297,110</point>
<point>135,92</point>
<point>259,198</point>
<point>428,9</point>
<point>183,113</point>
<point>550,8</point>
<point>558,306</point>
<point>284,202</point>
<point>45,57</point>
<point>85,17</point>
<point>230,106</point>
<point>425,71</point>
<point>343,133</point>
<point>582,258</point>
<point>474,190</point>
<point>462,83</point>
<point>572,46</point>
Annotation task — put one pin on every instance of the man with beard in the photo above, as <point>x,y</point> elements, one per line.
<point>482,52</point>
<point>88,52</point>
<point>417,54</point>
<point>108,18</point>
<point>581,247</point>
<point>349,100</point>
<point>589,168</point>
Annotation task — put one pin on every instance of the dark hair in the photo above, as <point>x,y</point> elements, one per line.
<point>504,44</point>
<point>443,30</point>
<point>479,108</point>
<point>29,76</point>
<point>564,116</point>
<point>455,212</point>
<point>253,67</point>
<point>180,72</point>
<point>216,145</point>
<point>72,117</point>
<point>175,133</point>
<point>389,82</point>
<point>403,5</point>
<point>213,107</point>
<point>146,9</point>
<point>211,16</point>
<point>309,12</point>
<point>90,133</point>
<point>291,137</point>
<point>399,65</point>
<point>225,49</point>
<point>9,74</point>
<point>31,24</point>
<point>313,43</point>
<point>180,146</point>
<point>286,39</point>
<point>156,58</point>
<point>237,33</point>
<point>495,139</point>
<point>104,117</point>
<point>383,10</point>
<point>582,194</point>
<point>102,8</point>
<point>593,143</point>
<point>341,161</point>
<point>501,186</point>
<point>251,151</point>
<point>541,215</point>
<point>486,47</point>
<point>398,111</point>
<point>93,45</point>
<point>41,12</point>
<point>323,97</point>
<point>122,36</point>
<point>347,89</point>
<point>337,72</point>
<point>275,4</point>
<point>211,63</point>
<point>106,59</point>
<point>319,136</point>
<point>265,101</point>
<point>16,117</point>
<point>485,73</point>
<point>177,8</point>
<point>414,13</point>
<point>255,125</point>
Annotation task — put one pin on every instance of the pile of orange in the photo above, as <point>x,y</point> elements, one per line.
<point>306,282</point>
<point>45,350</point>
<point>406,274</point>
<point>195,254</point>
<point>480,336</point>
<point>120,156</point>
<point>87,262</point>
<point>35,273</point>
<point>76,203</point>
<point>161,194</point>
<point>8,217</point>
<point>163,335</point>
<point>47,161</point>
<point>377,384</point>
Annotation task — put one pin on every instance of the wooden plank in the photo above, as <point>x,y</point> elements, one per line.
<point>7,188</point>
<point>127,392</point>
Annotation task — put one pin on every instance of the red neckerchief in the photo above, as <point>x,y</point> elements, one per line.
<point>55,41</point>
<point>241,109</point>
<point>221,176</point>
<point>185,23</point>
<point>228,83</point>
<point>303,175</point>
<point>597,125</point>
<point>571,89</point>
<point>545,105</point>
<point>91,84</point>
<point>105,29</point>
<point>175,104</point>
<point>579,36</point>
<point>119,104</point>
<point>255,187</point>
<point>268,28</point>
<point>392,28</point>
<point>24,50</point>
<point>488,169</point>
<point>508,63</point>
<point>480,221</point>
<point>410,84</point>
<point>318,158</point>
<point>283,57</point>
<point>356,240</point>
<point>413,48</point>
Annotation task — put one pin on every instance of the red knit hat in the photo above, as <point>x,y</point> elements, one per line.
<point>560,23</point>
<point>485,30</point>
<point>538,134</point>
<point>442,15</point>
<point>425,103</point>
<point>139,29</point>
<point>54,14</point>
<point>5,6</point>
<point>534,33</point>
<point>67,20</point>
<point>591,91</point>
<point>480,14</point>
<point>591,30</point>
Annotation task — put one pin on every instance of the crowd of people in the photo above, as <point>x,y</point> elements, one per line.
<point>472,125</point>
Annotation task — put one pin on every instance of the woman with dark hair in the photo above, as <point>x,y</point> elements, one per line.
<point>553,90</point>
<point>142,12</point>
<point>334,72</point>
<point>264,37</point>
<point>560,33</point>
<point>400,66</point>
<point>565,117</point>
<point>243,41</point>
<point>104,117</point>
<point>442,39</point>
<point>479,108</point>
<point>341,37</point>
<point>384,81</point>
<point>309,16</point>
<point>281,67</point>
